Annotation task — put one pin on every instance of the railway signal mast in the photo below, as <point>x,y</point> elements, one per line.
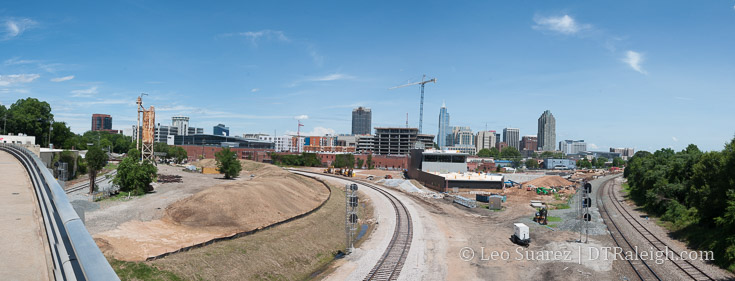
<point>422,83</point>
<point>583,212</point>
<point>351,208</point>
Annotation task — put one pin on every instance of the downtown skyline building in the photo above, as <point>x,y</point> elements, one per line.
<point>572,146</point>
<point>546,132</point>
<point>444,129</point>
<point>485,140</point>
<point>362,121</point>
<point>511,136</point>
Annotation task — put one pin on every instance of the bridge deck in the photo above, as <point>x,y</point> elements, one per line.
<point>24,250</point>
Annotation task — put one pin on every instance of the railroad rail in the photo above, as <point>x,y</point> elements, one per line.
<point>684,265</point>
<point>75,255</point>
<point>639,265</point>
<point>391,262</point>
<point>85,185</point>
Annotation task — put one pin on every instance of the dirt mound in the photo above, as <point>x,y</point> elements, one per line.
<point>234,206</point>
<point>246,205</point>
<point>549,181</point>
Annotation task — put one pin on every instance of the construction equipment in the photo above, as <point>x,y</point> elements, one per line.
<point>541,215</point>
<point>543,190</point>
<point>422,83</point>
<point>328,170</point>
<point>521,235</point>
<point>388,177</point>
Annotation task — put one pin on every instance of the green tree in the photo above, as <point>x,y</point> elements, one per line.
<point>227,163</point>
<point>618,162</point>
<point>96,160</point>
<point>484,153</point>
<point>68,157</point>
<point>600,162</point>
<point>4,118</point>
<point>509,153</point>
<point>81,165</point>
<point>370,161</point>
<point>584,164</point>
<point>344,161</point>
<point>133,175</point>
<point>32,117</point>
<point>360,162</point>
<point>61,135</point>
<point>532,164</point>
<point>494,152</point>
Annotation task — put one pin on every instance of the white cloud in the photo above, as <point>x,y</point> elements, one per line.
<point>7,80</point>
<point>562,24</point>
<point>253,90</point>
<point>15,27</point>
<point>592,146</point>
<point>330,77</point>
<point>634,59</point>
<point>62,79</point>
<point>254,36</point>
<point>301,117</point>
<point>674,139</point>
<point>85,92</point>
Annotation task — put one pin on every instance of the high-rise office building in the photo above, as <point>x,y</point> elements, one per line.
<point>546,131</point>
<point>182,123</point>
<point>362,121</point>
<point>101,122</point>
<point>497,140</point>
<point>444,129</point>
<point>572,146</point>
<point>485,140</point>
<point>511,136</point>
<point>221,130</point>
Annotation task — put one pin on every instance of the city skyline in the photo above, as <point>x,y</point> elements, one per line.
<point>228,66</point>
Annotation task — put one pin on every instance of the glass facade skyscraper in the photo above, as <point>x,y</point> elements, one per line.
<point>444,129</point>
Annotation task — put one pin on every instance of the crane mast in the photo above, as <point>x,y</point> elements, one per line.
<point>421,108</point>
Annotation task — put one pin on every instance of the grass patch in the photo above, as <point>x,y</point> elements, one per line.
<point>553,219</point>
<point>561,206</point>
<point>141,271</point>
<point>553,225</point>
<point>111,166</point>
<point>122,196</point>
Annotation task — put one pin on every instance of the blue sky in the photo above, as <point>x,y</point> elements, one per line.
<point>637,74</point>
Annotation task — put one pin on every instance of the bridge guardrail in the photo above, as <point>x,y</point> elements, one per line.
<point>77,255</point>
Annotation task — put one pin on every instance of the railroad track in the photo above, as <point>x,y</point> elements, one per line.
<point>684,265</point>
<point>86,184</point>
<point>639,266</point>
<point>391,262</point>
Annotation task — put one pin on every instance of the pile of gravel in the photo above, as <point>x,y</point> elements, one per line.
<point>405,185</point>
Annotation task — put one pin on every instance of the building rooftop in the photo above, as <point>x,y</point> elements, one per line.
<point>470,176</point>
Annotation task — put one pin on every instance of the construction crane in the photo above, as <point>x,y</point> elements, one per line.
<point>422,83</point>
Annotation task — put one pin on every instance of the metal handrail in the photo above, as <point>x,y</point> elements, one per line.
<point>79,258</point>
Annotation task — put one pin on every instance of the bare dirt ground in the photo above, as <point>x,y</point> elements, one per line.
<point>452,242</point>
<point>228,208</point>
<point>297,250</point>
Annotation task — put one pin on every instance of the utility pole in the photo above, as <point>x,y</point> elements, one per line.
<point>422,83</point>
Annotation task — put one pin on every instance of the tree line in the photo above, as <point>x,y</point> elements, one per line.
<point>692,190</point>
